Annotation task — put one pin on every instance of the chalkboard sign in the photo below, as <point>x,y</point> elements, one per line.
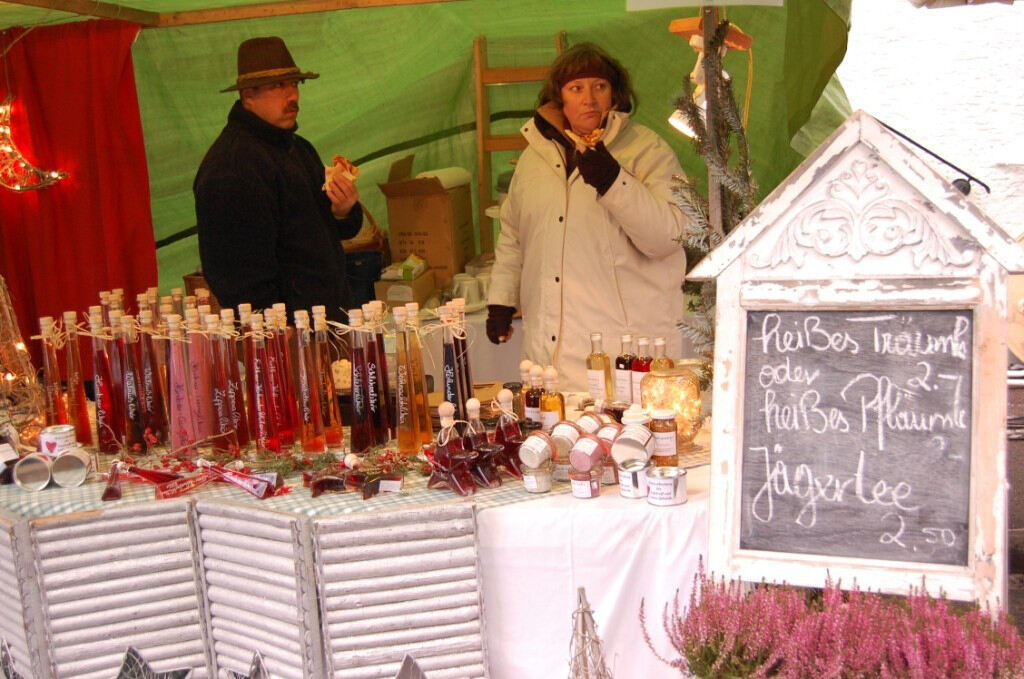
<point>857,434</point>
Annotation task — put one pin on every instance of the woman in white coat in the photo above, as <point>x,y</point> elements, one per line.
<point>590,234</point>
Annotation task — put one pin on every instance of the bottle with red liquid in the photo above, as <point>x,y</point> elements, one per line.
<point>278,380</point>
<point>462,347</point>
<point>329,409</point>
<point>236,389</point>
<point>508,434</point>
<point>421,395</point>
<point>78,408</point>
<point>284,353</point>
<point>452,382</point>
<point>133,416</point>
<point>534,394</point>
<point>641,366</point>
<point>362,426</point>
<point>116,354</point>
<point>154,407</point>
<point>406,420</point>
<point>311,422</point>
<point>624,371</point>
<point>179,388</point>
<point>56,410</point>
<point>261,419</point>
<point>483,469</point>
<point>451,461</point>
<point>216,346</point>
<point>385,378</point>
<point>102,384</point>
<point>375,404</point>
<point>199,374</point>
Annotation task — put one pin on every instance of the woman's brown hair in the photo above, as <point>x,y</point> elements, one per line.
<point>587,60</point>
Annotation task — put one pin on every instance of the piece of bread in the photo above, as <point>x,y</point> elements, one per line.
<point>341,165</point>
<point>589,139</point>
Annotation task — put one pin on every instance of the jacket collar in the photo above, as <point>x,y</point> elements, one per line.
<point>555,121</point>
<point>261,128</point>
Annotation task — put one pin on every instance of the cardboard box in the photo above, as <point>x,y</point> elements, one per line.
<point>426,219</point>
<point>417,290</point>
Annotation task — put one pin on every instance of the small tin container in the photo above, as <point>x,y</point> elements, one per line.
<point>71,468</point>
<point>633,478</point>
<point>609,432</point>
<point>585,485</point>
<point>536,449</point>
<point>538,479</point>
<point>589,422</point>
<point>564,434</point>
<point>57,438</point>
<point>635,441</point>
<point>666,486</point>
<point>33,471</point>
<point>588,453</point>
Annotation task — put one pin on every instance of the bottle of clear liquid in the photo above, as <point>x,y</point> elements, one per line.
<point>532,398</point>
<point>660,361</point>
<point>641,366</point>
<point>56,409</point>
<point>552,402</point>
<point>311,422</point>
<point>78,408</point>
<point>329,409</point>
<point>421,395</point>
<point>407,421</point>
<point>102,384</point>
<point>599,371</point>
<point>624,371</point>
<point>362,426</point>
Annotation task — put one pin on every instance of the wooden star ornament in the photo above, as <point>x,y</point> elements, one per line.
<point>256,670</point>
<point>7,670</point>
<point>134,667</point>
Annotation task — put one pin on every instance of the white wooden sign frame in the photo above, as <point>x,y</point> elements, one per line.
<point>761,266</point>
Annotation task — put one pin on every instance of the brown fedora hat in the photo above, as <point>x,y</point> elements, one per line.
<point>262,61</point>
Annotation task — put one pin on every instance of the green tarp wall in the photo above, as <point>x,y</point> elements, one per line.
<point>399,80</point>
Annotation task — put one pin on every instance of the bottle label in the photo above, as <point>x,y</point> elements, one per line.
<point>548,419</point>
<point>595,384</point>
<point>637,379</point>
<point>665,442</point>
<point>533,414</point>
<point>623,385</point>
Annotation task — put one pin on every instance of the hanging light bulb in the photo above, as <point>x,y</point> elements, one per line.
<point>16,173</point>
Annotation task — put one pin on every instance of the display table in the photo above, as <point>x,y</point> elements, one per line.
<point>530,553</point>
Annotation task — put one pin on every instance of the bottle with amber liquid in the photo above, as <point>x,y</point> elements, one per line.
<point>311,422</point>
<point>531,401</point>
<point>641,366</point>
<point>406,417</point>
<point>660,361</point>
<point>599,371</point>
<point>329,410</point>
<point>552,402</point>
<point>624,371</point>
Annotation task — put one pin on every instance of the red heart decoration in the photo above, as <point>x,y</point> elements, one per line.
<point>51,446</point>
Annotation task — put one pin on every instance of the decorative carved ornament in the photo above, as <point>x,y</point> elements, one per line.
<point>861,217</point>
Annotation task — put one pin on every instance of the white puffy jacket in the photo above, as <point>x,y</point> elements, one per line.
<point>575,262</point>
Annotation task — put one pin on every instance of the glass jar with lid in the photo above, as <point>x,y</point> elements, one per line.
<point>677,389</point>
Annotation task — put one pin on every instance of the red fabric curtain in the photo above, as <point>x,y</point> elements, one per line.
<point>75,109</point>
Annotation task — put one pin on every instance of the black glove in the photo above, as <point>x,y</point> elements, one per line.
<point>598,168</point>
<point>499,322</point>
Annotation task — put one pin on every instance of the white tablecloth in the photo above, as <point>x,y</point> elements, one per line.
<point>533,556</point>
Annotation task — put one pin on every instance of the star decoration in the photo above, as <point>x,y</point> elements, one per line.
<point>16,173</point>
<point>256,669</point>
<point>134,667</point>
<point>7,662</point>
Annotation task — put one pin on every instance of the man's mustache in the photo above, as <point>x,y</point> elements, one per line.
<point>292,108</point>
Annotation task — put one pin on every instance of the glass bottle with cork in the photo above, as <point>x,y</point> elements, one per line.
<point>660,361</point>
<point>78,409</point>
<point>531,401</point>
<point>599,371</point>
<point>624,371</point>
<point>552,403</point>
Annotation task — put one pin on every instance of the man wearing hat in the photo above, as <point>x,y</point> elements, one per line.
<point>270,228</point>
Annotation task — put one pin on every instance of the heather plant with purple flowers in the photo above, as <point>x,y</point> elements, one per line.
<point>779,631</point>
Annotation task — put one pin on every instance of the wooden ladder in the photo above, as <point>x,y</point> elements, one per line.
<point>487,143</point>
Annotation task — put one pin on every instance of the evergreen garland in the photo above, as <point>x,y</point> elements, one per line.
<point>737,196</point>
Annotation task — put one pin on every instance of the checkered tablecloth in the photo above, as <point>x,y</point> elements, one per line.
<point>54,500</point>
